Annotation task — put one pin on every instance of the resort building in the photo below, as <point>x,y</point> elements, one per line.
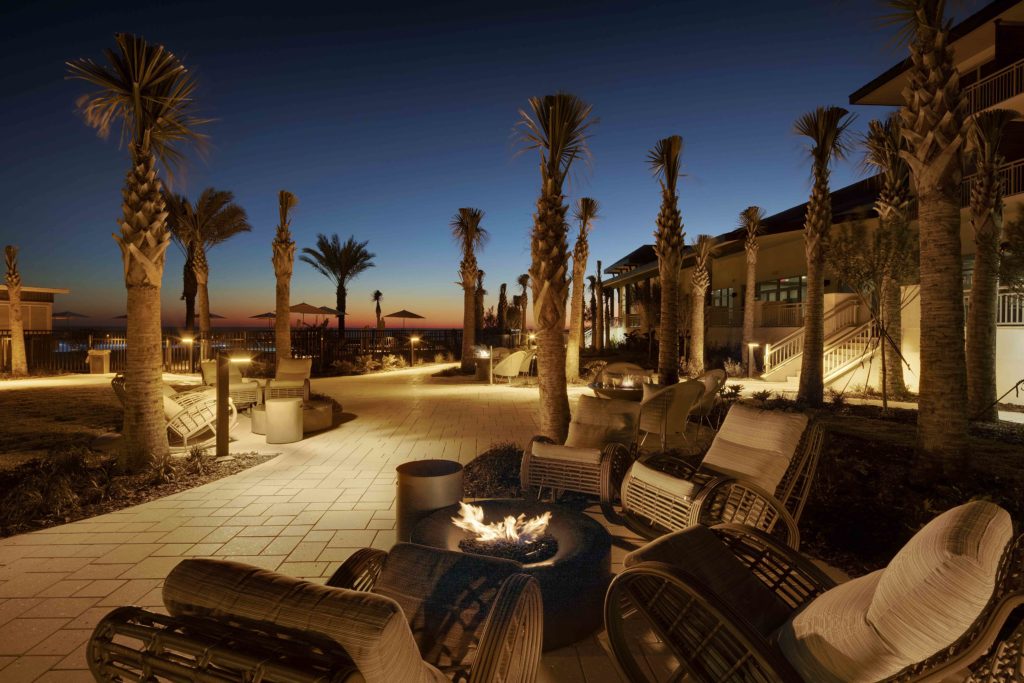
<point>989,49</point>
<point>36,307</point>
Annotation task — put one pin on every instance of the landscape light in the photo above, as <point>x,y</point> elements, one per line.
<point>414,339</point>
<point>187,340</point>
<point>750,357</point>
<point>240,359</point>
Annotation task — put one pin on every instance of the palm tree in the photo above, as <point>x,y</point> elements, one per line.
<point>599,328</point>
<point>557,126</point>
<point>470,236</point>
<point>478,302</point>
<point>750,222</point>
<point>503,308</point>
<point>284,261</point>
<point>339,263</point>
<point>700,280</point>
<point>665,162</point>
<point>213,219</point>
<point>933,119</point>
<point>189,285</point>
<point>594,332</point>
<point>150,93</point>
<point>826,127</point>
<point>586,212</point>
<point>984,135</point>
<point>19,363</point>
<point>376,298</point>
<point>524,301</point>
<point>883,144</point>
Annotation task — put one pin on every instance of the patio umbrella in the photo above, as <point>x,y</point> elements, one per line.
<point>305,308</point>
<point>268,316</point>
<point>67,315</point>
<point>404,315</point>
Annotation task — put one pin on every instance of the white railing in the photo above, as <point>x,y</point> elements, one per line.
<point>792,345</point>
<point>1009,309</point>
<point>849,348</point>
<point>998,87</point>
<point>1011,174</point>
<point>781,315</point>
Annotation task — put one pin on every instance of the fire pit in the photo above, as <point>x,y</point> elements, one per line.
<point>567,552</point>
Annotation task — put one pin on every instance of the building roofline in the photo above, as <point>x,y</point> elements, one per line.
<point>41,290</point>
<point>976,20</point>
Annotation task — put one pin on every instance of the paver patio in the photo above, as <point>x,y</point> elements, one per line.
<point>302,513</point>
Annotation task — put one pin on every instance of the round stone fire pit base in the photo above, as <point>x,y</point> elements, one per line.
<point>572,582</point>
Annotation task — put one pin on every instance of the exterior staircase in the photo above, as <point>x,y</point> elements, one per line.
<point>848,340</point>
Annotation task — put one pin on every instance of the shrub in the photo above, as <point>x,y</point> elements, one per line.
<point>762,395</point>
<point>366,363</point>
<point>197,463</point>
<point>46,487</point>
<point>162,471</point>
<point>344,367</point>
<point>836,398</point>
<point>731,392</point>
<point>494,473</point>
<point>439,358</point>
<point>732,368</point>
<point>392,362</point>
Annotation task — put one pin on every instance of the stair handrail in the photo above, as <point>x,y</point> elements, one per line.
<point>864,330</point>
<point>788,347</point>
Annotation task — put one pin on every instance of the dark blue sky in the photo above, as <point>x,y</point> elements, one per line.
<point>385,119</point>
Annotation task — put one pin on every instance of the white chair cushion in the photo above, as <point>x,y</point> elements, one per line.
<point>582,435</point>
<point>928,596</point>
<point>551,451</point>
<point>673,486</point>
<point>756,445</point>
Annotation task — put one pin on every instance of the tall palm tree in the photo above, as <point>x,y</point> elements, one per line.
<point>478,302</point>
<point>19,363</point>
<point>933,117</point>
<point>665,161</point>
<point>189,287</point>
<point>284,262</point>
<point>470,236</point>
<point>594,332</point>
<point>599,322</point>
<point>700,280</point>
<point>826,128</point>
<point>524,301</point>
<point>150,93</point>
<point>557,126</point>
<point>985,132</point>
<point>376,298</point>
<point>339,263</point>
<point>585,212</point>
<point>883,144</point>
<point>213,219</point>
<point>750,222</point>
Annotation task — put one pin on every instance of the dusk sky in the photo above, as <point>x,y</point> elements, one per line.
<point>384,120</point>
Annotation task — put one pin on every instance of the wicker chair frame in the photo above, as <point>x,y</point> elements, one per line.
<point>197,417</point>
<point>133,644</point>
<point>651,511</point>
<point>712,643</point>
<point>537,473</point>
<point>244,393</point>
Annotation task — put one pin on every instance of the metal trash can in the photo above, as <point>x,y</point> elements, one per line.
<point>484,369</point>
<point>423,487</point>
<point>98,361</point>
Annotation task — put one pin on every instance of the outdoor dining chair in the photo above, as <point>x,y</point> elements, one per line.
<point>411,615</point>
<point>729,603</point>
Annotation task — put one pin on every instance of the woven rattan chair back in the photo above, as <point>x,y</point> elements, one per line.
<point>664,412</point>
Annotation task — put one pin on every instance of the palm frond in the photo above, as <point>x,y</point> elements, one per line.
<point>703,249</point>
<point>882,145</point>
<point>909,16</point>
<point>586,212</point>
<point>467,231</point>
<point>559,126</point>
<point>523,281</point>
<point>750,221</point>
<point>336,261</point>
<point>985,134</point>
<point>826,127</point>
<point>665,160</point>
<point>286,201</point>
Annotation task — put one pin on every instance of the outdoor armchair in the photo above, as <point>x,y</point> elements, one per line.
<point>192,418</point>
<point>728,603</point>
<point>291,380</point>
<point>414,614</point>
<point>713,381</point>
<point>758,471</point>
<point>242,390</point>
<point>664,409</point>
<point>512,365</point>
<point>601,441</point>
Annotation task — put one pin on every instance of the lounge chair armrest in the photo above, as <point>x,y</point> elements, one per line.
<point>677,467</point>
<point>360,571</point>
<point>716,643</point>
<point>510,642</point>
<point>615,461</point>
<point>794,578</point>
<point>726,499</point>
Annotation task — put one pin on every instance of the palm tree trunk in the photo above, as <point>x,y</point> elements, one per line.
<point>696,362</point>
<point>598,334</point>
<point>981,323</point>
<point>892,317</point>
<point>341,302</point>
<point>812,387</point>
<point>668,333</point>
<point>749,302</point>
<point>189,286</point>
<point>572,350</point>
<point>202,275</point>
<point>468,321</point>
<point>19,362</point>
<point>941,419</point>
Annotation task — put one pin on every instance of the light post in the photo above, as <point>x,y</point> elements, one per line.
<point>223,400</point>
<point>750,358</point>
<point>412,350</point>
<point>188,341</point>
<point>532,338</point>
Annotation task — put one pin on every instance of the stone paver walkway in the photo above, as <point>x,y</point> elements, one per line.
<point>302,513</point>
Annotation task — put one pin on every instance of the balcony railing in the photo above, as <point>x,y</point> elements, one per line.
<point>724,316</point>
<point>1012,175</point>
<point>1002,85</point>
<point>782,315</point>
<point>1009,309</point>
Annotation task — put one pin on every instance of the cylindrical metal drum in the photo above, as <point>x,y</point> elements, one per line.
<point>423,487</point>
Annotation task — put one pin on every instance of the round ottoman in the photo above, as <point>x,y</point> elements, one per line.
<point>284,420</point>
<point>258,415</point>
<point>316,415</point>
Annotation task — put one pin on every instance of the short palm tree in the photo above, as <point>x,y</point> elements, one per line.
<point>470,236</point>
<point>700,281</point>
<point>339,263</point>
<point>599,322</point>
<point>557,126</point>
<point>933,117</point>
<point>826,128</point>
<point>213,219</point>
<point>149,92</point>
<point>19,363</point>
<point>376,298</point>
<point>665,160</point>
<point>284,262</point>
<point>750,222</point>
<point>585,213</point>
<point>503,308</point>
<point>985,132</point>
<point>883,145</point>
<point>524,301</point>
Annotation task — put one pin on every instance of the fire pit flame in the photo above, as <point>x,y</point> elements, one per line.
<point>511,529</point>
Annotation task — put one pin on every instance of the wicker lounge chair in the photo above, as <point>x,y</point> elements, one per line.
<point>713,381</point>
<point>728,603</point>
<point>242,390</point>
<point>291,380</point>
<point>192,418</point>
<point>758,472</point>
<point>601,442</point>
<point>664,410</point>
<point>512,365</point>
<point>413,615</point>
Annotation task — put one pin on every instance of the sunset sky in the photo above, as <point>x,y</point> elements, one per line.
<point>385,120</point>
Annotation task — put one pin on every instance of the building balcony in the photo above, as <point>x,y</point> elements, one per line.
<point>1012,175</point>
<point>996,88</point>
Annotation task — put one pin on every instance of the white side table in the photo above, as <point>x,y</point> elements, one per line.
<point>258,414</point>
<point>284,419</point>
